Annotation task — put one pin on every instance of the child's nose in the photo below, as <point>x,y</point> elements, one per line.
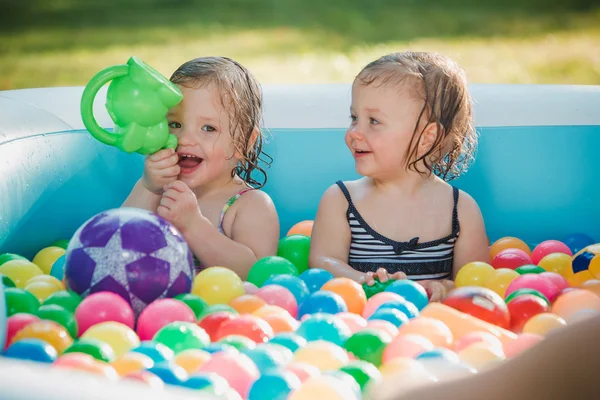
<point>355,132</point>
<point>185,137</point>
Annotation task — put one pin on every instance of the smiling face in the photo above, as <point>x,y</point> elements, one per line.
<point>205,147</point>
<point>383,119</point>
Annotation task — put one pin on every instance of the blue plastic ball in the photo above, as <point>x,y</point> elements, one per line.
<point>411,291</point>
<point>292,283</point>
<point>158,352</point>
<point>33,350</point>
<point>439,352</point>
<point>274,385</point>
<point>397,318</point>
<point>578,241</point>
<point>322,301</point>
<point>324,327</point>
<point>169,373</point>
<point>290,340</point>
<point>315,278</point>
<point>406,308</point>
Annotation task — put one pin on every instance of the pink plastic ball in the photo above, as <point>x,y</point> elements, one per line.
<point>237,369</point>
<point>250,288</point>
<point>102,307</point>
<point>407,346</point>
<point>354,322</point>
<point>160,313</point>
<point>474,337</point>
<point>511,259</point>
<point>277,295</point>
<point>303,370</point>
<point>534,281</point>
<point>557,279</point>
<point>374,302</point>
<point>548,247</point>
<point>523,342</point>
<point>382,326</point>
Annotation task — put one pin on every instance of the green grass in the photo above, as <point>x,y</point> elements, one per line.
<point>65,42</point>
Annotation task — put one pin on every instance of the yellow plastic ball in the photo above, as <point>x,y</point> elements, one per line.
<point>326,356</point>
<point>48,279</point>
<point>49,331</point>
<point>399,365</point>
<point>323,387</point>
<point>118,336</point>
<point>191,359</point>
<point>46,257</point>
<point>20,271</point>
<point>218,285</point>
<point>556,262</point>
<point>42,289</point>
<point>473,274</point>
<point>499,280</point>
<point>481,354</point>
<point>579,278</point>
<point>544,323</point>
<point>132,362</point>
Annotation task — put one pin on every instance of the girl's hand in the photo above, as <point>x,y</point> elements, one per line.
<point>382,275</point>
<point>179,206</point>
<point>160,169</point>
<point>436,290</point>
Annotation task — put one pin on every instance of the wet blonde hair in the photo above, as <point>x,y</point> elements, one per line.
<point>241,95</point>
<point>442,86</point>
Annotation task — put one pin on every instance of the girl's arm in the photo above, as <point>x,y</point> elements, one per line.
<point>140,197</point>
<point>330,238</point>
<point>472,243</point>
<point>255,234</point>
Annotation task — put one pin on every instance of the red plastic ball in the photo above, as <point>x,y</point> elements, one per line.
<point>511,259</point>
<point>523,307</point>
<point>549,247</point>
<point>250,326</point>
<point>212,322</point>
<point>481,303</point>
<point>15,323</point>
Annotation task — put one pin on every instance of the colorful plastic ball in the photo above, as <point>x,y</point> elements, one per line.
<point>593,285</point>
<point>439,352</point>
<point>238,342</point>
<point>350,291</point>
<point>324,327</point>
<point>118,336</point>
<point>534,281</point>
<point>250,288</point>
<point>49,331</point>
<point>379,299</point>
<point>247,303</point>
<point>556,279</point>
<point>169,373</point>
<point>529,269</point>
<point>6,281</point>
<point>87,363</point>
<point>324,355</point>
<point>269,266</point>
<point>569,303</point>
<point>411,291</point>
<point>406,308</point>
<point>549,247</point>
<point>295,248</point>
<point>475,337</point>
<point>473,274</point>
<point>544,323</point>
<point>279,296</point>
<point>522,308</point>
<point>6,257</point>
<point>15,323</point>
<point>364,373</point>
<point>20,301</point>
<point>95,348</point>
<point>382,326</point>
<point>292,283</point>
<point>481,303</point>
<point>281,322</point>
<point>353,321</point>
<point>500,279</point>
<point>131,362</point>
<point>481,355</point>
<point>523,342</point>
<point>315,278</point>
<point>41,289</point>
<point>368,345</point>
<point>579,278</point>
<point>406,346</point>
<point>101,307</point>
<point>217,308</point>
<point>194,302</point>
<point>324,387</point>
<point>238,369</point>
<point>147,378</point>
<point>218,347</point>
<point>217,285</point>
<point>160,313</point>
<point>20,271</point>
<point>322,301</point>
<point>212,322</point>
<point>302,370</point>
<point>435,330</point>
<point>48,279</point>
<point>33,350</point>
<point>47,256</point>
<point>392,315</point>
<point>511,259</point>
<point>192,359</point>
<point>508,242</point>
<point>587,259</point>
<point>556,262</point>
<point>180,336</point>
<point>254,328</point>
<point>577,241</point>
<point>58,314</point>
<point>301,228</point>
<point>158,352</point>
<point>291,340</point>
<point>274,385</point>
<point>64,298</point>
<point>520,292</point>
<point>268,358</point>
<point>399,366</point>
<point>207,382</point>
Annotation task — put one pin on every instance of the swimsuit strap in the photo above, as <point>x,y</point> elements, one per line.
<point>231,200</point>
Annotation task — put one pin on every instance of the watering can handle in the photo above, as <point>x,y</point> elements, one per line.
<point>87,102</point>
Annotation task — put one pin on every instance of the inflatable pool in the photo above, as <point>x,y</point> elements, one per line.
<point>535,175</point>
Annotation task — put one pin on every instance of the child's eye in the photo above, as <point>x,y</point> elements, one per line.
<point>208,128</point>
<point>353,118</point>
<point>174,125</point>
<point>373,121</point>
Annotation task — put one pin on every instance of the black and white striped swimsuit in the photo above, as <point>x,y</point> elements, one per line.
<point>369,250</point>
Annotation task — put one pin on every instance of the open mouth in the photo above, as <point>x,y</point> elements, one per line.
<point>360,153</point>
<point>189,163</point>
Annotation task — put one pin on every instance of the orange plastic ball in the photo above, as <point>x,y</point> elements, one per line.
<point>349,290</point>
<point>508,242</point>
<point>301,228</point>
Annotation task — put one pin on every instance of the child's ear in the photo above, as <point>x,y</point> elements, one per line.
<point>251,143</point>
<point>428,138</point>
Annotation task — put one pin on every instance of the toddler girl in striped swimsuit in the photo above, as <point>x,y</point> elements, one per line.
<point>411,131</point>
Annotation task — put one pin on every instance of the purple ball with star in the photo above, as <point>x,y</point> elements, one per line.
<point>131,252</point>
